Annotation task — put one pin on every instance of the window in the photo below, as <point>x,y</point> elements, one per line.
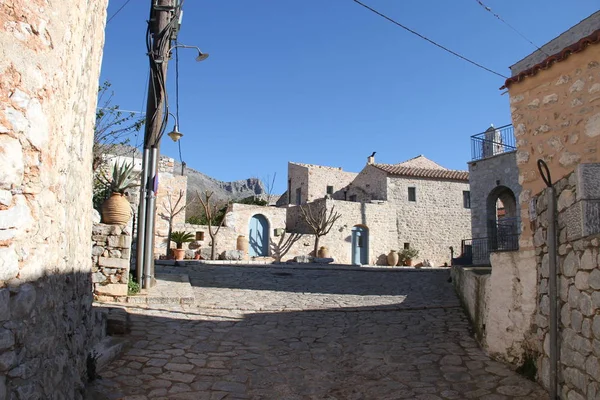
<point>406,245</point>
<point>329,189</point>
<point>466,199</point>
<point>299,196</point>
<point>200,235</point>
<point>352,197</point>
<point>412,194</point>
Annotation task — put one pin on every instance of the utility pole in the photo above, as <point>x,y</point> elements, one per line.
<point>161,14</point>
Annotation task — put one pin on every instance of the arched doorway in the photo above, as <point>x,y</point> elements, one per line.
<point>360,245</point>
<point>503,219</point>
<point>258,236</point>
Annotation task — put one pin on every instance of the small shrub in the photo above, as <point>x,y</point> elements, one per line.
<point>133,287</point>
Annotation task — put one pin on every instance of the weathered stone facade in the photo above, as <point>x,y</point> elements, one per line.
<point>111,252</point>
<point>556,115</point>
<point>311,182</point>
<point>437,219</point>
<point>50,57</point>
<point>578,283</point>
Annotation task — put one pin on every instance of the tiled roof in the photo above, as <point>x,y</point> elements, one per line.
<point>560,56</point>
<point>442,174</point>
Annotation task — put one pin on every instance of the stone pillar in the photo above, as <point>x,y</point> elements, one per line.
<point>111,254</point>
<point>50,55</point>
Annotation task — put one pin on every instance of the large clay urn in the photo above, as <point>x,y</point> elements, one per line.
<point>323,252</point>
<point>242,244</point>
<point>116,210</point>
<point>392,258</point>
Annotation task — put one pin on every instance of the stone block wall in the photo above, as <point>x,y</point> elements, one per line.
<point>556,115</point>
<point>370,184</point>
<point>313,180</point>
<point>485,176</point>
<point>111,253</point>
<point>578,283</point>
<point>50,55</point>
<point>435,221</point>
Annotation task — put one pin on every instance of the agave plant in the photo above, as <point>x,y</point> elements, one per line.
<point>122,178</point>
<point>180,237</point>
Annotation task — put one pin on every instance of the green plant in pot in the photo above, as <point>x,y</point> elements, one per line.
<point>408,255</point>
<point>116,210</point>
<point>180,238</point>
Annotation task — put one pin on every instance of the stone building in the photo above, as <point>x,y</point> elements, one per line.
<point>495,190</point>
<point>50,57</point>
<point>556,114</point>
<point>417,203</point>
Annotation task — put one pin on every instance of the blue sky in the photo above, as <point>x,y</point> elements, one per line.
<point>328,82</point>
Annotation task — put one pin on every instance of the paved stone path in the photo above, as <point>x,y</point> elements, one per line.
<point>275,333</point>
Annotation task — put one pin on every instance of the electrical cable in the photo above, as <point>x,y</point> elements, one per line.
<point>118,11</point>
<point>177,96</point>
<point>510,26</point>
<point>429,40</point>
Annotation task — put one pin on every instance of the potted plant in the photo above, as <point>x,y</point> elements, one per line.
<point>407,255</point>
<point>180,238</point>
<point>116,210</point>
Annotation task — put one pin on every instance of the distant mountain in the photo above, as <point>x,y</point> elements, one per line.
<point>223,191</point>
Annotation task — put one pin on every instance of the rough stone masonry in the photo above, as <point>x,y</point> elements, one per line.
<point>50,54</point>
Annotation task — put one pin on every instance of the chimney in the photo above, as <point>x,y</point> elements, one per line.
<point>370,160</point>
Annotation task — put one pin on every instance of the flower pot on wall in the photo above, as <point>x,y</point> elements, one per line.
<point>408,262</point>
<point>323,252</point>
<point>392,258</point>
<point>116,210</point>
<point>178,254</point>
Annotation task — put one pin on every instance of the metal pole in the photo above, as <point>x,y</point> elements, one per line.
<point>141,228</point>
<point>553,293</point>
<point>552,280</point>
<point>149,244</point>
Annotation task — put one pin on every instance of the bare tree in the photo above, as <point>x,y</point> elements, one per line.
<point>211,212</point>
<point>320,222</point>
<point>172,209</point>
<point>269,187</point>
<point>281,248</point>
<point>111,128</point>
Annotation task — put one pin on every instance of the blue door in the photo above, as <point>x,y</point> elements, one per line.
<point>258,236</point>
<point>360,245</point>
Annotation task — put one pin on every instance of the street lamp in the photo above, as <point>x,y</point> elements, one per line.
<point>201,56</point>
<point>175,135</point>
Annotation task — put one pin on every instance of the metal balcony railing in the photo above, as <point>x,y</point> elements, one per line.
<point>492,142</point>
<point>504,236</point>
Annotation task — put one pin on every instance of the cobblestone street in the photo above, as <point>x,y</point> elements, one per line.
<point>303,333</point>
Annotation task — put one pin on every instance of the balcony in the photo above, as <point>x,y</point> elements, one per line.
<point>492,142</point>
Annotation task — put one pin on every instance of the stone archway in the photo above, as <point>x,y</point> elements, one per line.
<point>503,222</point>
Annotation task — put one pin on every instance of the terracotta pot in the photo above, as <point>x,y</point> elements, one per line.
<point>116,210</point>
<point>323,252</point>
<point>393,258</point>
<point>242,244</point>
<point>408,262</point>
<point>179,254</point>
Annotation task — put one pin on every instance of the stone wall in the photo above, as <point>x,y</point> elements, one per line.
<point>111,252</point>
<point>435,221</point>
<point>168,192</point>
<point>50,54</point>
<point>370,184</point>
<point>472,285</point>
<point>556,115</point>
<point>484,177</point>
<point>314,179</point>
<point>578,283</point>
